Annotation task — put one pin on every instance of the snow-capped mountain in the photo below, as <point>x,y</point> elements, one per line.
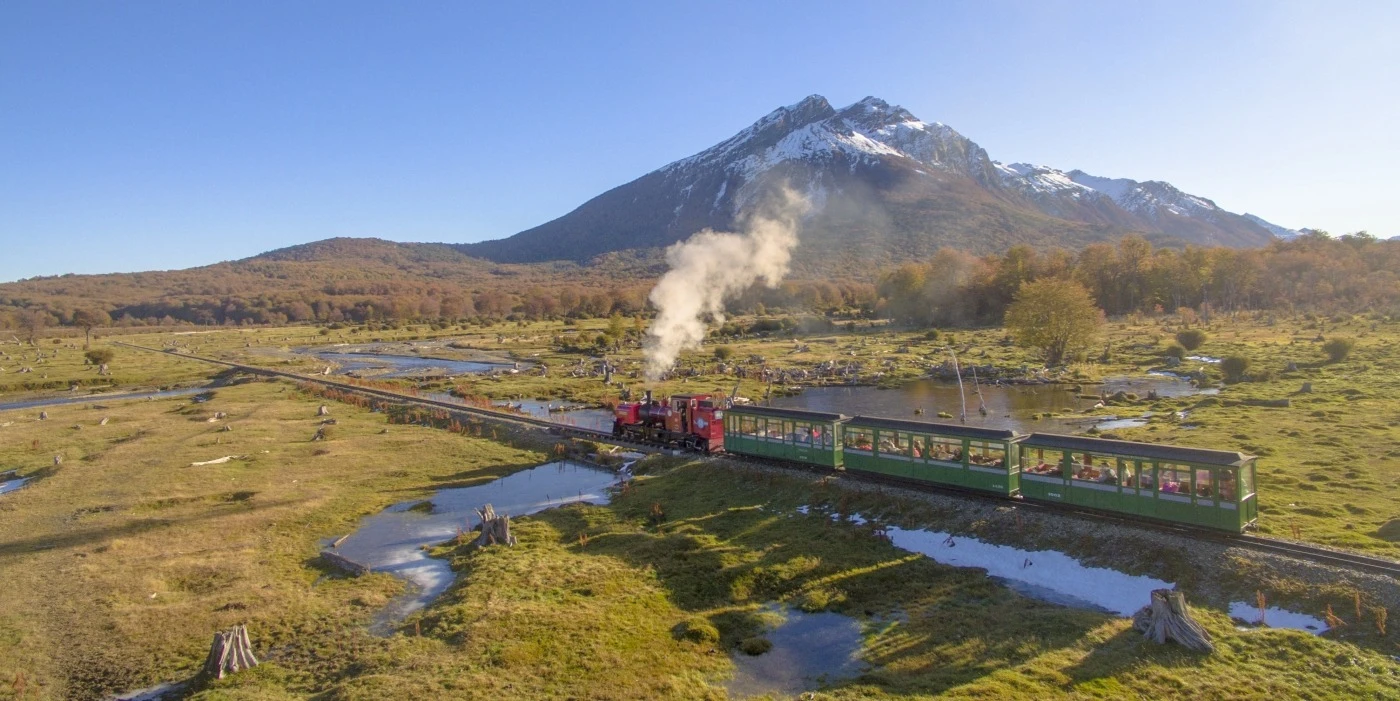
<point>887,186</point>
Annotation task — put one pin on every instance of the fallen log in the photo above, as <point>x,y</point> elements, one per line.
<point>343,563</point>
<point>231,652</point>
<point>1168,618</point>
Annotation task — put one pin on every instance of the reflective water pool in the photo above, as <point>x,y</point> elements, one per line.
<point>393,540</point>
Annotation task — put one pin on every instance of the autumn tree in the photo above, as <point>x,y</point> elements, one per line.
<point>33,322</point>
<point>1056,317</point>
<point>86,319</point>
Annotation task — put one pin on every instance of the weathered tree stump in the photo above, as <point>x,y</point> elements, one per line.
<point>1168,618</point>
<point>43,416</point>
<point>231,652</point>
<point>323,411</point>
<point>320,435</point>
<point>495,529</point>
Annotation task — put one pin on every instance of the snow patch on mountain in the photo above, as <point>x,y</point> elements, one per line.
<point>1278,231</point>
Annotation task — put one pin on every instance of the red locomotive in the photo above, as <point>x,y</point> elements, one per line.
<point>692,421</point>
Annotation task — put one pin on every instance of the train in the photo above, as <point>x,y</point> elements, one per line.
<point>1197,487</point>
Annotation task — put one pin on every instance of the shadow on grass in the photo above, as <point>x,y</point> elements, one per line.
<point>135,527</point>
<point>720,558</point>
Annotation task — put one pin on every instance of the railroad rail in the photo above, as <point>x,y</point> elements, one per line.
<point>1301,551</point>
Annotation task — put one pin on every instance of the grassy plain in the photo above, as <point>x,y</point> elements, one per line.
<point>119,564</point>
<point>1330,462</point>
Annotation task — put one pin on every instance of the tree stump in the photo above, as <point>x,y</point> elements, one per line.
<point>323,411</point>
<point>231,652</point>
<point>43,416</point>
<point>320,435</point>
<point>1168,618</point>
<point>495,529</point>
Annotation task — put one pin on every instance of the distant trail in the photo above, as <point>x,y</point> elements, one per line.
<point>1313,553</point>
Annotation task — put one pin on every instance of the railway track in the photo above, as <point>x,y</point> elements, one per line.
<point>1301,551</point>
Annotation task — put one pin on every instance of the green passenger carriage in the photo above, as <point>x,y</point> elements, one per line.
<point>786,434</point>
<point>962,456</point>
<point>1209,488</point>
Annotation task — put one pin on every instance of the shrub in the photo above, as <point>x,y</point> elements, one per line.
<point>98,356</point>
<point>698,630</point>
<point>723,353</point>
<point>1174,350</point>
<point>1191,339</point>
<point>755,646</point>
<point>1234,367</point>
<point>1338,349</point>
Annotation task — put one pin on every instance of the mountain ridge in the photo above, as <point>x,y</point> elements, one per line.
<point>884,170</point>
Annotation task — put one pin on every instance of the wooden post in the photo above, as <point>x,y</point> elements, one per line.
<point>231,652</point>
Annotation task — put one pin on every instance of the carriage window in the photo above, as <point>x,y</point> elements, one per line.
<point>773,430</point>
<point>988,454</point>
<point>1091,468</point>
<point>892,443</point>
<point>820,437</point>
<point>1247,480</point>
<point>748,426</point>
<point>1127,473</point>
<point>1205,484</point>
<point>857,439</point>
<point>1173,479</point>
<point>802,434</point>
<point>945,449</point>
<point>1227,485</point>
<point>1039,461</point>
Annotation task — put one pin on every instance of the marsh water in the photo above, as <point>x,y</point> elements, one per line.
<point>39,402</point>
<point>808,650</point>
<point>1008,406</point>
<point>387,365</point>
<point>12,483</point>
<point>393,540</point>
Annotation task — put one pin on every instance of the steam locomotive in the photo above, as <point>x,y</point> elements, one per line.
<point>690,421</point>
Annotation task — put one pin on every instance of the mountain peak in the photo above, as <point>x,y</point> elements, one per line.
<point>879,178</point>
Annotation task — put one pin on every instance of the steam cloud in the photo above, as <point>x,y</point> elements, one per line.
<point>711,267</point>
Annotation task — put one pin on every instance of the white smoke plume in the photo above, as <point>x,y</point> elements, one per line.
<point>711,267</point>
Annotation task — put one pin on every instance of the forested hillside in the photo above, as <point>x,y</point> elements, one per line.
<point>366,280</point>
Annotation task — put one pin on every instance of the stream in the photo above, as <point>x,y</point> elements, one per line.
<point>39,402</point>
<point>393,540</point>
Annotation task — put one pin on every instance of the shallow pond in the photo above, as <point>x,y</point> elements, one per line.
<point>393,540</point>
<point>401,365</point>
<point>577,415</point>
<point>808,649</point>
<point>88,398</point>
<point>1008,406</point>
<point>1274,617</point>
<point>1057,578</point>
<point>12,485</point>
<point>1047,575</point>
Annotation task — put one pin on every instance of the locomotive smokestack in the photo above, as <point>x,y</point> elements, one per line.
<point>711,267</point>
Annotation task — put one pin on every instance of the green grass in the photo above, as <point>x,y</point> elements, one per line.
<point>634,610</point>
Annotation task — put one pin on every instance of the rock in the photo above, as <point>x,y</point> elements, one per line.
<point>1306,388</point>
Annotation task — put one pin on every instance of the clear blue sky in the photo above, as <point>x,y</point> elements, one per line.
<point>151,135</point>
